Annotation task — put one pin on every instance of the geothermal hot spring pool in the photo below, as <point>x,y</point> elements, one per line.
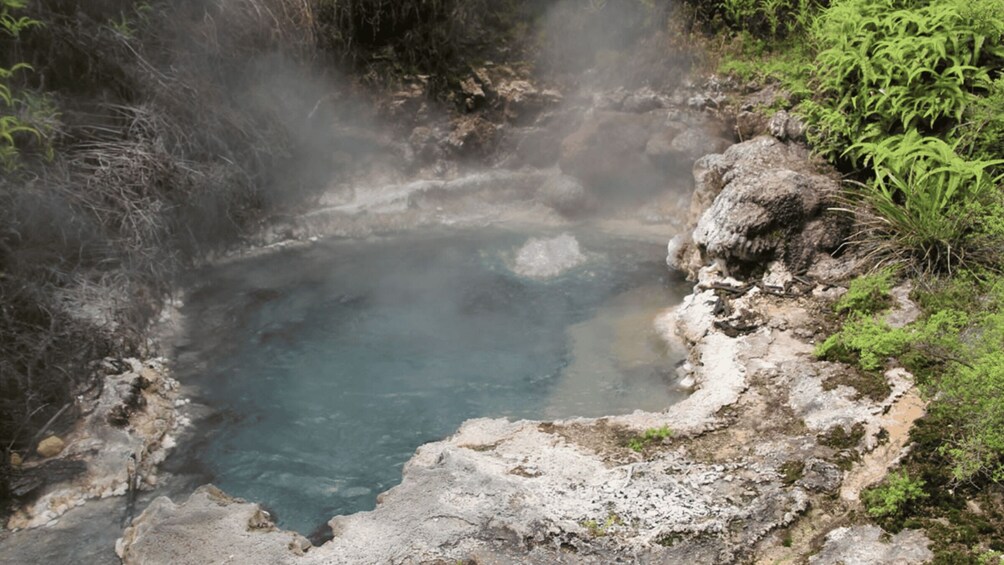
<point>326,367</point>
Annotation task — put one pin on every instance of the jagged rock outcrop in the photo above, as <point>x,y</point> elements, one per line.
<point>758,201</point>
<point>223,528</point>
<point>125,433</point>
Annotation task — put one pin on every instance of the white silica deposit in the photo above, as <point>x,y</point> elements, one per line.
<point>544,258</point>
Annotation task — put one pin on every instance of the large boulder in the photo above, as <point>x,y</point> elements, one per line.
<point>758,201</point>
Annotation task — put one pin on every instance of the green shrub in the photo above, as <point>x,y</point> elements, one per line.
<point>894,496</point>
<point>651,435</point>
<point>864,340</point>
<point>757,19</point>
<point>961,341</point>
<point>981,135</point>
<point>790,67</point>
<point>868,294</point>
<point>972,396</point>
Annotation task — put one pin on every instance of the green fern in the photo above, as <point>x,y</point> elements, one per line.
<point>887,67</point>
<point>12,124</point>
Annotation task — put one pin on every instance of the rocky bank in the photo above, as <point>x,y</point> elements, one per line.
<point>129,424</point>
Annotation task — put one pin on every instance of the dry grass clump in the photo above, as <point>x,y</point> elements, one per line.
<point>172,128</point>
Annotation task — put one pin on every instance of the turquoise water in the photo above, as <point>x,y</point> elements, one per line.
<point>327,366</point>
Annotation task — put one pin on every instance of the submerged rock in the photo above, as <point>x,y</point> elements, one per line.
<point>547,258</point>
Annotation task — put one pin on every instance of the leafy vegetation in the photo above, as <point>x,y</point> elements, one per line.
<point>955,350</point>
<point>773,20</point>
<point>894,496</point>
<point>902,96</point>
<point>897,83</point>
<point>648,437</point>
<point>868,294</point>
<point>891,67</point>
<point>865,341</point>
<point>14,124</point>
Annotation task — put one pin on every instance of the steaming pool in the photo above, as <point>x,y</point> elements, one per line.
<point>326,367</point>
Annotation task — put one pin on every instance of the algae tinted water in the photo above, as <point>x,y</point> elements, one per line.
<point>327,366</point>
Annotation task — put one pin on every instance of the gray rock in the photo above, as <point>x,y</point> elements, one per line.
<point>869,545</point>
<point>678,146</point>
<point>521,100</point>
<point>761,200</point>
<point>700,101</point>
<point>750,124</point>
<point>565,194</point>
<point>756,217</point>
<point>696,142</point>
<point>821,476</point>
<point>548,258</point>
<point>215,524</point>
<point>642,101</point>
<point>785,126</point>
<point>676,252</point>
<point>610,101</point>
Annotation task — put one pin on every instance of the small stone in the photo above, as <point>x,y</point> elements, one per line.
<point>16,460</point>
<point>50,446</point>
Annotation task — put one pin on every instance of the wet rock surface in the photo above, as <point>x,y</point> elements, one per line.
<point>114,450</point>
